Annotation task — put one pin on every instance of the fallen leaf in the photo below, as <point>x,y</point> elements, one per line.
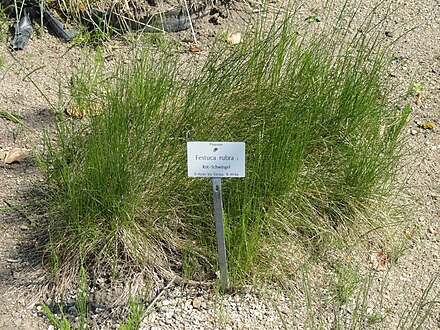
<point>234,38</point>
<point>379,260</point>
<point>428,125</point>
<point>16,155</point>
<point>75,111</point>
<point>194,49</point>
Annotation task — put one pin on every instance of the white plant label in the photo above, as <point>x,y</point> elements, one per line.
<point>216,159</point>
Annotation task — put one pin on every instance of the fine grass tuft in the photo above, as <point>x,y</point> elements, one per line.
<point>365,304</point>
<point>14,118</point>
<point>108,177</point>
<point>322,140</point>
<point>3,26</point>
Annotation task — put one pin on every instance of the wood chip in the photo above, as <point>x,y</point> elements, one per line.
<point>194,49</point>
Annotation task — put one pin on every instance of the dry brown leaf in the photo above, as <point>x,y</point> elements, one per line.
<point>194,49</point>
<point>427,125</point>
<point>379,260</point>
<point>234,38</point>
<point>76,112</point>
<point>16,155</point>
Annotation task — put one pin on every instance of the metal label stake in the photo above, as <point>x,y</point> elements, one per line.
<point>220,232</point>
<point>216,160</point>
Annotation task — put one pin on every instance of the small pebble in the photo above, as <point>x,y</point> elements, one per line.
<point>197,303</point>
<point>234,38</point>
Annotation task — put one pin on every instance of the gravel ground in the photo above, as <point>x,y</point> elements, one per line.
<point>45,60</point>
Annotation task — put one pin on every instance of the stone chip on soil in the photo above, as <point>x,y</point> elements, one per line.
<point>234,38</point>
<point>14,155</point>
<point>197,303</point>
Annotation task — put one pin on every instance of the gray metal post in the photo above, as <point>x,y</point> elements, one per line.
<point>220,232</point>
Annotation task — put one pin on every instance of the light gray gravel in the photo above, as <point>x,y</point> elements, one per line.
<point>194,308</point>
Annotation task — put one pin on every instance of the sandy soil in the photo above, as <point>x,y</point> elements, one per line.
<point>45,63</point>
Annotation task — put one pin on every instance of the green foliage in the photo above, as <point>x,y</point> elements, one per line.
<point>422,307</point>
<point>322,139</point>
<point>347,280</point>
<point>82,299</point>
<point>14,118</point>
<point>135,315</point>
<point>364,308</point>
<point>86,84</point>
<point>62,324</point>
<point>136,310</point>
<point>322,143</point>
<point>110,175</point>
<point>415,88</point>
<point>95,34</point>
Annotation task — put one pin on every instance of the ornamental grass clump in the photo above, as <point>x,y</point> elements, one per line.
<point>322,145</point>
<point>109,175</point>
<point>322,137</point>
